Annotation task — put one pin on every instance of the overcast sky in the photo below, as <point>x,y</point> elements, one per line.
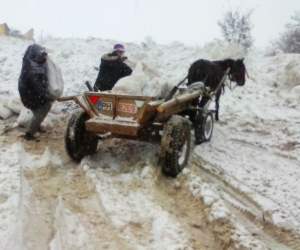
<point>193,22</point>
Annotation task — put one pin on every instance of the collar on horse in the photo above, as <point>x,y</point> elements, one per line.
<point>224,84</point>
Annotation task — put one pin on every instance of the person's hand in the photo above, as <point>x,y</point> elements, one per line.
<point>124,58</point>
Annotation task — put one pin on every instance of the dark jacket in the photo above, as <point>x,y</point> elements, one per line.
<point>111,70</point>
<point>33,81</point>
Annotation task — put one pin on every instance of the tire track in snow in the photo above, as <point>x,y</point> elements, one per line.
<point>148,209</point>
<point>216,164</point>
<point>57,207</point>
<point>174,196</point>
<point>64,206</point>
<point>244,212</point>
<point>135,215</point>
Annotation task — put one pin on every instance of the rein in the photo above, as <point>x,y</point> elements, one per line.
<point>246,72</point>
<point>229,76</point>
<point>230,86</point>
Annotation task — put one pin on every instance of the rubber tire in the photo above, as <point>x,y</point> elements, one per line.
<point>204,125</point>
<point>172,164</point>
<point>78,142</point>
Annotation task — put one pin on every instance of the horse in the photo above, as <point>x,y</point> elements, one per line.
<point>211,73</point>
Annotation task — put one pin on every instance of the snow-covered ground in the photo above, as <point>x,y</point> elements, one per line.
<point>239,191</point>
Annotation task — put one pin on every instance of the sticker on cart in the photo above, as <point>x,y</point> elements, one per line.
<point>127,107</point>
<point>105,105</point>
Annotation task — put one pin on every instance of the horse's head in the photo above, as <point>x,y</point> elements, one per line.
<point>238,72</point>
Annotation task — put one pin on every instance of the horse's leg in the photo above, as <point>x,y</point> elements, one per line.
<point>218,94</point>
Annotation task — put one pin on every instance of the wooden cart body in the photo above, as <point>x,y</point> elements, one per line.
<point>129,116</point>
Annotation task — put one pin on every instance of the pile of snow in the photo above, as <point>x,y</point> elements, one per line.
<point>220,50</point>
<point>140,83</point>
<point>281,72</point>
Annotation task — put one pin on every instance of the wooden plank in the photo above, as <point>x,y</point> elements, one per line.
<point>149,111</point>
<point>91,105</point>
<point>142,109</point>
<point>172,111</point>
<point>134,97</point>
<point>146,116</point>
<point>84,106</point>
<point>121,128</point>
<point>66,98</point>
<point>178,101</point>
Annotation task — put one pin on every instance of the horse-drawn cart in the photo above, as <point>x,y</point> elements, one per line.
<point>167,122</point>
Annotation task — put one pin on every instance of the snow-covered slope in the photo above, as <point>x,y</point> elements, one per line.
<point>242,186</point>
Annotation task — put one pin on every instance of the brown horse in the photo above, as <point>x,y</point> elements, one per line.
<point>211,72</point>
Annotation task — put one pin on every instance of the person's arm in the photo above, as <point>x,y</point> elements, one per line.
<point>125,70</point>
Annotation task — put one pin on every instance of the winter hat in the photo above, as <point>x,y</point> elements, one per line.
<point>119,47</point>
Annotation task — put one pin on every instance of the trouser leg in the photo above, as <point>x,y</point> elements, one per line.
<point>38,117</point>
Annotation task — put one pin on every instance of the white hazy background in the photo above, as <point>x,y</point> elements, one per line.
<point>193,22</point>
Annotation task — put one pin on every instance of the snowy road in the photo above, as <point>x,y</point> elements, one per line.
<point>118,199</point>
<point>119,202</point>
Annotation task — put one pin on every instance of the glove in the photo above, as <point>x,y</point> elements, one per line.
<point>124,58</point>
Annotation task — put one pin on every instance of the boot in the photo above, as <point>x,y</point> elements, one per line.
<point>29,136</point>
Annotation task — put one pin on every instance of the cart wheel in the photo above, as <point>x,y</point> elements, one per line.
<point>203,127</point>
<point>78,141</point>
<point>175,145</point>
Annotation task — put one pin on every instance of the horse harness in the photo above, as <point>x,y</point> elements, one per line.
<point>223,72</point>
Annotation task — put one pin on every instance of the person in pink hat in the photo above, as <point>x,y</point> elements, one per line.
<point>112,68</point>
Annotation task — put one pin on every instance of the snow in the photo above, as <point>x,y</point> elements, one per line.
<point>140,83</point>
<point>251,162</point>
<point>10,179</point>
<point>132,207</point>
